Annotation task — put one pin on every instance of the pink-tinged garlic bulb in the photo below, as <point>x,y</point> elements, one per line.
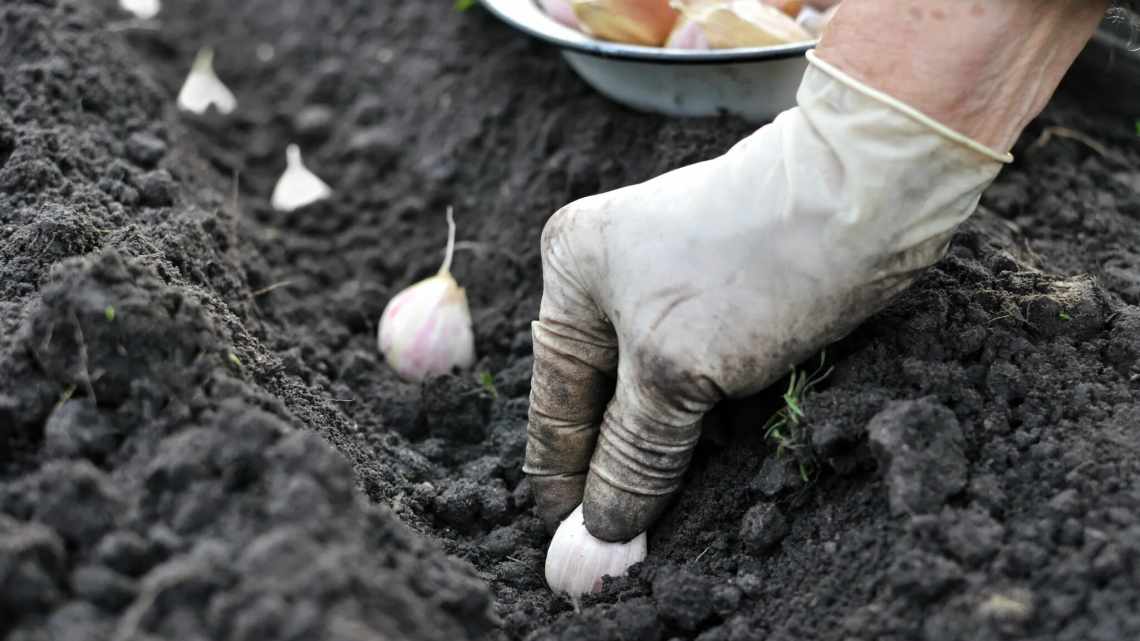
<point>641,22</point>
<point>561,11</point>
<point>727,24</point>
<point>577,561</point>
<point>426,329</point>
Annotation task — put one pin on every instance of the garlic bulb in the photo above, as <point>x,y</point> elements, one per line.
<point>426,329</point>
<point>577,561</point>
<point>561,11</point>
<point>298,186</point>
<point>203,88</point>
<point>145,9</point>
<point>726,24</point>
<point>643,22</point>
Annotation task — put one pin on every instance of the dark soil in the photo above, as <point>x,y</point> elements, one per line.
<point>198,439</point>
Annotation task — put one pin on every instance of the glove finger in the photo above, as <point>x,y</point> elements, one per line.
<point>575,357</point>
<point>645,447</point>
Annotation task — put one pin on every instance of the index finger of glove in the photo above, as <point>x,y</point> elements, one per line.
<point>575,358</point>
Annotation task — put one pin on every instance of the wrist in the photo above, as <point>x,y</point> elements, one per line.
<point>984,69</point>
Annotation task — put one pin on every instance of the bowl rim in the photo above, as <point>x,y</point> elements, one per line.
<point>526,16</point>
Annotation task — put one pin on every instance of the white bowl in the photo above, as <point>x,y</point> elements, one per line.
<point>756,83</point>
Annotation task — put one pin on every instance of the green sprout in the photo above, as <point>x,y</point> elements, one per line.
<point>1065,316</point>
<point>1138,126</point>
<point>68,392</point>
<point>464,5</point>
<point>487,380</point>
<point>785,427</point>
<point>109,313</point>
<point>234,360</point>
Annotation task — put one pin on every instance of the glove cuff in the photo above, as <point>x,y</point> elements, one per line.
<point>906,109</point>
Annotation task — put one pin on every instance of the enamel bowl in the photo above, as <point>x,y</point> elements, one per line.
<point>756,83</point>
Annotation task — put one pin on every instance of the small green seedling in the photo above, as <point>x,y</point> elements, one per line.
<point>487,380</point>
<point>784,427</point>
<point>464,5</point>
<point>234,360</point>
<point>1065,316</point>
<point>109,313</point>
<point>68,392</point>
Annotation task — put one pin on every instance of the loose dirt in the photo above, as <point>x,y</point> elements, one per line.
<point>198,439</point>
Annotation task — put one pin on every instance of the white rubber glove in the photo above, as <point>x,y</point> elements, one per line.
<point>713,280</point>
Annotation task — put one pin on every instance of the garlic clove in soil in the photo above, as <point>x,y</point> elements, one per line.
<point>577,561</point>
<point>426,329</point>
<point>642,22</point>
<point>144,9</point>
<point>297,186</point>
<point>727,24</point>
<point>202,88</point>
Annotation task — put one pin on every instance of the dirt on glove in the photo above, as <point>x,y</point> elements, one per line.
<point>199,440</point>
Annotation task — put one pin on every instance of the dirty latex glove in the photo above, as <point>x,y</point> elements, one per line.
<point>711,281</point>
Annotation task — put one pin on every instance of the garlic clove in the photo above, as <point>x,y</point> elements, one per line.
<point>643,22</point>
<point>790,8</point>
<point>726,24</point>
<point>815,21</point>
<point>297,186</point>
<point>426,329</point>
<point>687,35</point>
<point>202,88</point>
<point>144,9</point>
<point>561,11</point>
<point>577,561</point>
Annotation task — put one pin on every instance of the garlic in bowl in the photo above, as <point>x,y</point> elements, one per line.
<point>753,82</point>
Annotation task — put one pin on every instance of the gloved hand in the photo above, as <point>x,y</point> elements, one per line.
<point>711,281</point>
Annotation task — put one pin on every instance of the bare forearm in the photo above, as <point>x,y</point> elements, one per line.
<point>984,68</point>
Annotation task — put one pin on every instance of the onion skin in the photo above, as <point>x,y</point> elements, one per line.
<point>687,35</point>
<point>642,22</point>
<point>790,8</point>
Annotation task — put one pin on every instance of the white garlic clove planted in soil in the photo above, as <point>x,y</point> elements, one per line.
<point>202,88</point>
<point>144,9</point>
<point>426,329</point>
<point>297,186</point>
<point>577,561</point>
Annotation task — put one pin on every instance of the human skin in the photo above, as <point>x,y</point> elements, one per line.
<point>981,68</point>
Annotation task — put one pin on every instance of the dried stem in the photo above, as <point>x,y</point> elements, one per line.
<point>446,267</point>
